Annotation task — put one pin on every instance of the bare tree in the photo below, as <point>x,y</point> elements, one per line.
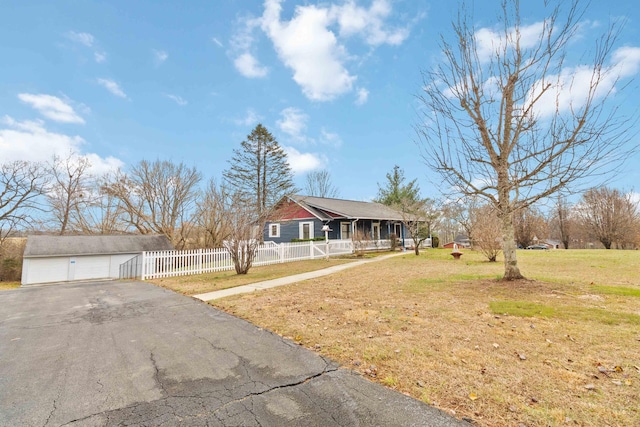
<point>212,217</point>
<point>68,190</point>
<point>319,184</point>
<point>20,187</point>
<point>528,223</point>
<point>157,197</point>
<point>104,213</point>
<point>505,121</point>
<point>245,227</point>
<point>418,217</point>
<point>562,221</point>
<point>487,232</point>
<point>611,216</point>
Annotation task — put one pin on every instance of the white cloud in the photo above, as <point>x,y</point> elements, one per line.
<point>85,39</point>
<point>112,87</point>
<point>30,140</point>
<point>330,138</point>
<point>574,85</point>
<point>489,41</point>
<point>249,66</point>
<point>100,56</point>
<point>293,122</point>
<point>368,23</point>
<point>216,41</point>
<point>160,56</point>
<point>250,119</point>
<point>363,96</point>
<point>51,107</point>
<point>177,99</point>
<point>303,162</point>
<point>310,49</point>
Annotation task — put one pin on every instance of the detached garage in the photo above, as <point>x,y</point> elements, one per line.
<point>69,258</point>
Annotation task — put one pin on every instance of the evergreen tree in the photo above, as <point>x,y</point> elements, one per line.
<point>396,192</point>
<point>260,172</point>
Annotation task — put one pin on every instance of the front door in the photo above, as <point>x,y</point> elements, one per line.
<point>375,231</point>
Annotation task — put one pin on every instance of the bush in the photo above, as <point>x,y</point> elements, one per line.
<point>11,259</point>
<point>435,241</point>
<point>393,240</point>
<point>315,239</point>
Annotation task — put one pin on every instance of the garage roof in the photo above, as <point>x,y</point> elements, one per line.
<point>47,246</point>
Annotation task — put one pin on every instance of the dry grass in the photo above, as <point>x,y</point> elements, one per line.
<point>563,349</point>
<point>198,284</point>
<point>5,286</point>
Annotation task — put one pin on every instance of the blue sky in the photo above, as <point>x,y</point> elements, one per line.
<point>334,81</point>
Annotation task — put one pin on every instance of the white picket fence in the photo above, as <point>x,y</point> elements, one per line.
<point>158,264</point>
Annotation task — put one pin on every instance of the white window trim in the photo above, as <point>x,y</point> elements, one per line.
<point>301,229</point>
<point>277,233</point>
<point>350,230</point>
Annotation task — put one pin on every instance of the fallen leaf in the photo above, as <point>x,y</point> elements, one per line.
<point>473,396</point>
<point>627,382</point>
<point>420,384</point>
<point>617,368</point>
<point>590,387</point>
<point>616,382</point>
<point>522,356</point>
<point>496,345</point>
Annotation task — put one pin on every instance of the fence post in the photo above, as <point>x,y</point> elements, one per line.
<point>311,249</point>
<point>144,266</point>
<point>281,250</point>
<point>200,261</point>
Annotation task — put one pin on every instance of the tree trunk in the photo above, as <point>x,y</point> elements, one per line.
<point>511,270</point>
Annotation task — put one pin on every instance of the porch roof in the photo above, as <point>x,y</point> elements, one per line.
<point>327,209</point>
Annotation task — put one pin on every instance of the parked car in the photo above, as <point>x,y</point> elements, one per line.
<point>539,247</point>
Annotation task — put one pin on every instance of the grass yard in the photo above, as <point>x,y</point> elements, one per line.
<point>5,286</point>
<point>561,349</point>
<point>198,284</point>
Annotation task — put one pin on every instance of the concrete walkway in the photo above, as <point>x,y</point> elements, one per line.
<point>288,279</point>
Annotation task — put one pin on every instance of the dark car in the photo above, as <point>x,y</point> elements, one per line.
<point>540,247</point>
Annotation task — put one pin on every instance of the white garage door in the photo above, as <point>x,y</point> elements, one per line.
<point>44,270</point>
<point>90,267</point>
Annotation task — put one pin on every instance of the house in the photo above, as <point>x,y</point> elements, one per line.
<point>70,258</point>
<point>303,217</point>
<point>461,240</point>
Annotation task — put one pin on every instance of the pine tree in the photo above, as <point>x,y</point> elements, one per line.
<point>260,172</point>
<point>396,191</point>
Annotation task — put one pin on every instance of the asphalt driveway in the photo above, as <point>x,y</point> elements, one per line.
<point>129,353</point>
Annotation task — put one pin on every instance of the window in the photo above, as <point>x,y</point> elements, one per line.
<point>274,230</point>
<point>306,230</point>
<point>345,230</point>
<point>397,229</point>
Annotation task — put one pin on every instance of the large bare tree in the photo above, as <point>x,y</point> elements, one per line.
<point>319,184</point>
<point>20,187</point>
<point>157,197</point>
<point>507,120</point>
<point>212,217</point>
<point>68,190</point>
<point>610,216</point>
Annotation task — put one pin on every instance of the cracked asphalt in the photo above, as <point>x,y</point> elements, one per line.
<point>131,354</point>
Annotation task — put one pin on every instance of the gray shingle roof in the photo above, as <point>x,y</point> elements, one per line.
<point>42,246</point>
<point>350,209</point>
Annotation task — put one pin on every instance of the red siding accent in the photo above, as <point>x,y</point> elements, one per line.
<point>291,211</point>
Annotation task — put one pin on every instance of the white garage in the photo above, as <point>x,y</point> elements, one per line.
<point>49,259</point>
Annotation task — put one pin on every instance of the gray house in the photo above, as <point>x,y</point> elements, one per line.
<point>70,258</point>
<point>303,217</point>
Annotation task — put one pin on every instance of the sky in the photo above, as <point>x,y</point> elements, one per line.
<point>336,82</point>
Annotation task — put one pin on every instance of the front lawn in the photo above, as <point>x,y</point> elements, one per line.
<point>208,282</point>
<point>562,349</point>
